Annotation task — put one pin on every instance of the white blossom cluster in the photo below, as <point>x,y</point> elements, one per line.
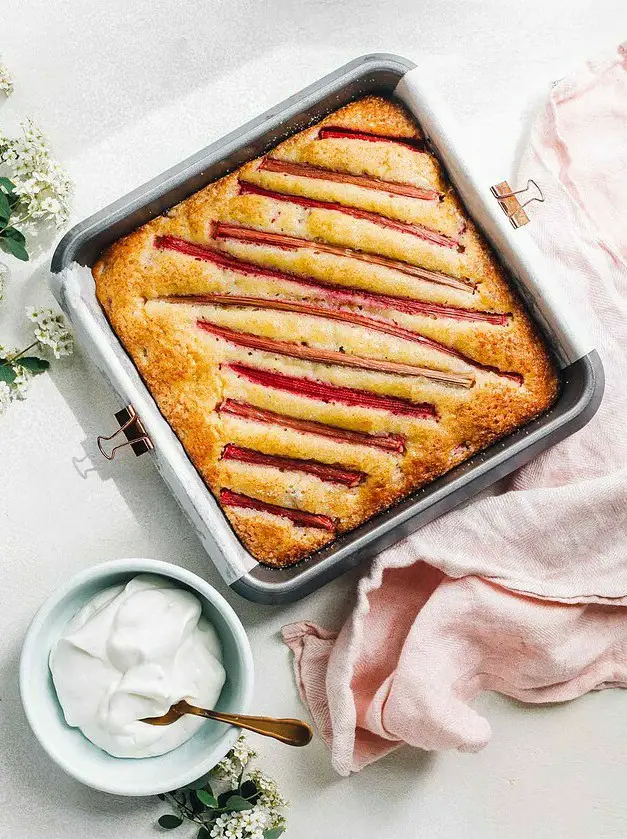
<point>51,331</point>
<point>44,191</point>
<point>18,387</point>
<point>264,815</point>
<point>42,184</point>
<point>248,824</point>
<point>6,82</point>
<point>22,381</point>
<point>248,806</point>
<point>270,795</point>
<point>232,766</point>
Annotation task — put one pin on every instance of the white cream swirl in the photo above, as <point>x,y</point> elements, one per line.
<point>131,652</point>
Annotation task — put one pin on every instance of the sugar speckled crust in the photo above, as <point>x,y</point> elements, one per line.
<point>187,370</point>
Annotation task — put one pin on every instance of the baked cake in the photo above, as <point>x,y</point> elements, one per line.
<point>325,330</point>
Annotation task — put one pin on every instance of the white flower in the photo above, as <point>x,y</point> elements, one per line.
<point>4,272</point>
<point>5,397</point>
<point>243,752</point>
<point>232,766</point>
<point>247,824</point>
<point>22,382</point>
<point>42,184</point>
<point>264,815</point>
<point>19,386</point>
<point>51,331</point>
<point>270,796</point>
<point>6,82</point>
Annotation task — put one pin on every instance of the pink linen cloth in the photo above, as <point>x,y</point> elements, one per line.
<point>523,592</point>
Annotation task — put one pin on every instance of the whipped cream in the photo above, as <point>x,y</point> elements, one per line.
<point>131,652</point>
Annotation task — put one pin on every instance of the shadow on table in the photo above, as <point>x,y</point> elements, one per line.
<point>32,770</point>
<point>166,528</point>
<point>384,785</point>
<point>170,537</point>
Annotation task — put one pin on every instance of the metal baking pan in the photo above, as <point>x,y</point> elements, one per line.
<point>582,379</point>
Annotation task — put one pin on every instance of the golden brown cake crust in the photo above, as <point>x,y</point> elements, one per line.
<point>189,370</point>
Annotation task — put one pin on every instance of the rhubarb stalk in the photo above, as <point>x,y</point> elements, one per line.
<point>341,315</point>
<point>300,518</point>
<point>328,292</point>
<point>332,357</point>
<point>223,231</point>
<point>242,410</point>
<point>302,170</point>
<point>424,233</point>
<point>329,132</point>
<point>303,308</point>
<point>335,474</point>
<point>328,393</point>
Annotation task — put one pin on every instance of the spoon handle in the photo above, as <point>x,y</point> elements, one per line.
<point>292,732</point>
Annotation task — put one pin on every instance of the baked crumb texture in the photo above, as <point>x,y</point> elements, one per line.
<point>325,330</point>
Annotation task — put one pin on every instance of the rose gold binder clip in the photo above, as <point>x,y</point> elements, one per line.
<point>132,428</point>
<point>511,206</point>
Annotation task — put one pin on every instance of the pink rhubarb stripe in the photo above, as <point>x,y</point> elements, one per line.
<point>332,357</point>
<point>334,474</point>
<point>433,237</point>
<point>242,410</point>
<point>329,393</point>
<point>329,132</point>
<point>329,292</point>
<point>353,318</point>
<point>225,231</point>
<point>303,170</point>
<point>298,517</point>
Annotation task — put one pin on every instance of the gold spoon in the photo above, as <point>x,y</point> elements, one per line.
<point>292,732</point>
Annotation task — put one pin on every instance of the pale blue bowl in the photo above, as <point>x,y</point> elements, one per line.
<point>75,753</point>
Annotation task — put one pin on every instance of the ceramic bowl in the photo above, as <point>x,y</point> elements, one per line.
<point>75,753</point>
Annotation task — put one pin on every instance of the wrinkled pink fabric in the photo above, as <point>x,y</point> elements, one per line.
<point>523,592</point>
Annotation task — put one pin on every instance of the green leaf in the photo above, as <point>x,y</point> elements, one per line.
<point>16,249</point>
<point>32,363</point>
<point>249,790</point>
<point>7,374</point>
<point>201,783</point>
<point>237,803</point>
<point>223,798</point>
<point>169,822</point>
<point>273,833</point>
<point>5,207</point>
<point>206,798</point>
<point>14,234</point>
<point>203,833</point>
<point>7,185</point>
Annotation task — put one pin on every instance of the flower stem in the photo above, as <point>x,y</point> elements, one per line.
<point>22,216</point>
<point>8,361</point>
<point>182,808</point>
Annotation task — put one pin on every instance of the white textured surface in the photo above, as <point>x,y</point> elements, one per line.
<point>125,90</point>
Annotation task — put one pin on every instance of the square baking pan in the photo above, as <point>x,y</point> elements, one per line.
<point>146,430</point>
